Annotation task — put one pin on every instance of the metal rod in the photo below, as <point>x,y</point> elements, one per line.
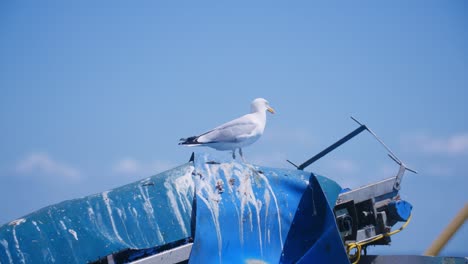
<point>290,162</point>
<point>390,152</point>
<point>448,232</point>
<point>332,147</point>
<point>393,156</point>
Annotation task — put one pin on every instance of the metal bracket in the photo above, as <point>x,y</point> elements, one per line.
<point>324,152</point>
<point>351,135</point>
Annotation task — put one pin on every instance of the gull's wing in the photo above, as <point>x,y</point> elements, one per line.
<point>231,131</point>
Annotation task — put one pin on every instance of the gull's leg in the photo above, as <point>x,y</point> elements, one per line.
<point>241,154</point>
<point>234,154</point>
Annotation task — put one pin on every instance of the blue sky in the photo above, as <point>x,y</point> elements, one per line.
<point>95,95</point>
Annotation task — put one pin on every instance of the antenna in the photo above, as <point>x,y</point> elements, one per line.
<point>345,139</point>
<point>324,152</point>
<point>390,152</point>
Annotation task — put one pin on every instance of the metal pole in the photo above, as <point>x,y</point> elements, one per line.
<point>332,147</point>
<point>448,232</point>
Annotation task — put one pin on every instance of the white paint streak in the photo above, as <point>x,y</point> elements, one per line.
<point>267,183</point>
<point>37,227</point>
<point>175,207</point>
<point>62,224</point>
<point>134,214</point>
<point>91,212</point>
<point>4,243</point>
<point>232,182</point>
<point>17,246</point>
<point>182,186</point>
<point>242,181</point>
<point>105,198</point>
<point>258,208</point>
<point>17,222</point>
<point>267,197</point>
<point>51,256</point>
<point>185,186</point>
<point>255,261</point>
<point>148,207</point>
<point>208,194</point>
<point>71,231</point>
<point>249,199</point>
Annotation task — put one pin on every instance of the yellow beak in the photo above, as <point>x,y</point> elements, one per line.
<point>271,110</point>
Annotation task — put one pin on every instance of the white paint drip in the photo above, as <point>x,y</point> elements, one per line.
<point>123,218</point>
<point>148,207</point>
<point>227,168</point>
<point>185,186</point>
<point>258,208</point>
<point>209,195</point>
<point>64,227</point>
<point>71,231</point>
<point>267,183</point>
<point>267,197</point>
<point>255,261</point>
<point>248,196</point>
<point>105,198</point>
<point>37,227</point>
<point>51,256</point>
<point>97,220</point>
<point>240,180</point>
<point>235,175</point>
<point>91,213</point>
<point>17,222</point>
<point>121,214</point>
<point>214,198</point>
<point>20,253</point>
<point>313,200</point>
<point>146,203</point>
<point>4,243</point>
<point>249,199</point>
<point>175,207</point>
<point>159,234</point>
<point>62,224</point>
<point>134,214</point>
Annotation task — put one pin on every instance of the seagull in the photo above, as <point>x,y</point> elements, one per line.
<point>237,133</point>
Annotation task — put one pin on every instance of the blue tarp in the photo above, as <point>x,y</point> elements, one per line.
<point>250,214</point>
<point>244,213</point>
<point>144,214</point>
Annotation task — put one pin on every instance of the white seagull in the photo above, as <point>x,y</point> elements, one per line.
<point>237,133</point>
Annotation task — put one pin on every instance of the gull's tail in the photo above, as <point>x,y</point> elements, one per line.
<point>190,141</point>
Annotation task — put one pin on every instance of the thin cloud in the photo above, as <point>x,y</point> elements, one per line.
<point>127,166</point>
<point>158,166</point>
<point>450,145</point>
<point>441,170</point>
<point>343,171</point>
<point>345,166</point>
<point>130,166</point>
<point>42,163</point>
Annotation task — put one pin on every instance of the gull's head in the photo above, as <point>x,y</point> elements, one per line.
<point>259,105</point>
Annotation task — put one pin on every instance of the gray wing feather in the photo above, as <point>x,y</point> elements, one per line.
<point>230,132</point>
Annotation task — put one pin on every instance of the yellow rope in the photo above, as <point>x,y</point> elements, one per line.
<point>358,245</point>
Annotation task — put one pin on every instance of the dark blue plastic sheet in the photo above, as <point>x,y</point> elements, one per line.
<point>244,213</point>
<point>248,214</point>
